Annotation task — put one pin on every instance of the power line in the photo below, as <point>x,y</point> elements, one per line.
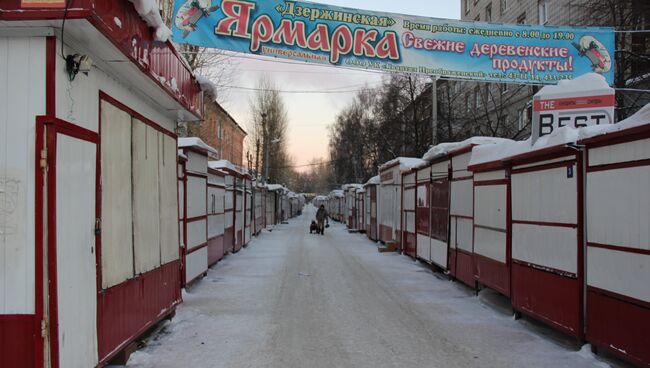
<point>292,92</point>
<point>307,165</point>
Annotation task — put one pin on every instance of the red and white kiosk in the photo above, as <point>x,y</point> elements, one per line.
<point>361,212</point>
<point>409,231</point>
<point>491,250</point>
<point>259,208</point>
<point>196,199</point>
<point>390,197</point>
<point>216,215</point>
<point>248,208</point>
<point>432,209</point>
<point>371,208</point>
<point>350,216</point>
<point>233,204</point>
<point>618,238</point>
<point>92,178</point>
<point>274,204</point>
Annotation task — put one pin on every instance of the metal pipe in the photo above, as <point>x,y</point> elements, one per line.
<point>434,110</point>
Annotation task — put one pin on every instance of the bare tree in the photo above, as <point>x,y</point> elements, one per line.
<point>217,65</point>
<point>630,17</point>
<point>268,129</point>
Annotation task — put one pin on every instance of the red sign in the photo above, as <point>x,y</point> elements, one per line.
<point>575,103</point>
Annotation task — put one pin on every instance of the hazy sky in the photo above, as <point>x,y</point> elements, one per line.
<point>311,114</point>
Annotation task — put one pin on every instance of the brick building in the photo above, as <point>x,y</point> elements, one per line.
<point>221,131</point>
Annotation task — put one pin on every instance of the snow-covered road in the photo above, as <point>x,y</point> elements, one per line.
<point>297,300</point>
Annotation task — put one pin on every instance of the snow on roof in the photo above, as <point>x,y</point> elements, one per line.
<point>352,186</point>
<point>149,11</point>
<point>642,117</point>
<point>207,85</point>
<point>181,154</point>
<point>589,82</point>
<point>404,162</point>
<point>496,152</point>
<point>337,193</point>
<point>375,180</point>
<point>195,142</point>
<point>444,149</point>
<point>223,164</point>
<point>565,135</point>
<point>321,198</point>
<point>275,187</point>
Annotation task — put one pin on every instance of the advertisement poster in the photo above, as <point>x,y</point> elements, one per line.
<point>353,38</point>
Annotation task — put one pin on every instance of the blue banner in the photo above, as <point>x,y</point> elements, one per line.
<point>396,43</point>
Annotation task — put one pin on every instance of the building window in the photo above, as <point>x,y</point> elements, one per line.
<point>488,13</point>
<point>504,88</point>
<point>543,11</point>
<point>478,18</point>
<point>467,6</point>
<point>477,96</point>
<point>503,121</point>
<point>504,6</point>
<point>521,19</point>
<point>468,107</point>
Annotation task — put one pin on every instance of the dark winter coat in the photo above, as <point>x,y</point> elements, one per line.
<point>321,214</point>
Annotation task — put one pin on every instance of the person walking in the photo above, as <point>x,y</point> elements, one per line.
<point>321,217</point>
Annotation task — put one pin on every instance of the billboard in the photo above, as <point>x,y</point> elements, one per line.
<point>586,101</point>
<point>386,42</point>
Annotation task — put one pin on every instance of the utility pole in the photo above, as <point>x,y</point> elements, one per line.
<point>266,148</point>
<point>257,158</point>
<point>434,110</point>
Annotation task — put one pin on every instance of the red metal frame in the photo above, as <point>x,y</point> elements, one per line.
<point>187,250</point>
<point>557,295</point>
<point>617,323</point>
<point>445,184</point>
<point>372,232</point>
<point>117,300</point>
<point>54,128</point>
<point>409,240</point>
<point>487,271</point>
<point>215,243</point>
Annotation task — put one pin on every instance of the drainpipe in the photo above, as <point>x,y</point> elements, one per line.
<point>582,166</point>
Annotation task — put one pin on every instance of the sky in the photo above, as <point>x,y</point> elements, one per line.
<point>311,114</point>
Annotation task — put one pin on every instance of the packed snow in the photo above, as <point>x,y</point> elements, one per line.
<point>562,136</point>
<point>195,142</point>
<point>292,299</point>
<point>223,164</point>
<point>275,187</point>
<point>375,180</point>
<point>150,12</point>
<point>444,149</point>
<point>589,83</point>
<point>404,162</point>
<point>352,186</point>
<point>207,85</point>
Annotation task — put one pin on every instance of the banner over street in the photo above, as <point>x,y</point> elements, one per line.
<point>386,42</point>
